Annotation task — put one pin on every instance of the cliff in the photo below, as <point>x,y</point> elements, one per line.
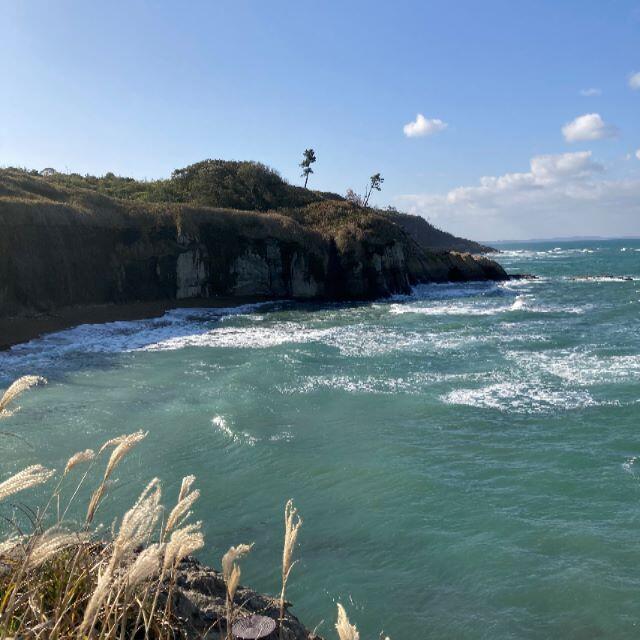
<point>62,246</point>
<point>433,239</point>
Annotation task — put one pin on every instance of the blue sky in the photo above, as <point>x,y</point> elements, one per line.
<point>140,88</point>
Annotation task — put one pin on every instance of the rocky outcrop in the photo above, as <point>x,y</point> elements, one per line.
<point>198,602</point>
<point>84,248</point>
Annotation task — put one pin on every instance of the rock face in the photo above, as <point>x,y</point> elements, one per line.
<point>198,601</point>
<point>57,251</point>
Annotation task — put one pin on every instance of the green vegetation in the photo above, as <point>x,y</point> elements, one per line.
<point>237,185</point>
<point>229,184</point>
<point>219,184</point>
<point>375,184</point>
<point>307,161</point>
<point>64,582</point>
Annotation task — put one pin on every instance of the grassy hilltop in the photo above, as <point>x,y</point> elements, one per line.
<point>226,184</point>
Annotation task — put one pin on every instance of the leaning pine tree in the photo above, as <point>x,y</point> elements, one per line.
<point>307,161</point>
<point>375,183</point>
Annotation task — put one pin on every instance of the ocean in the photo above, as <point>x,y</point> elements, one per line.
<point>466,458</point>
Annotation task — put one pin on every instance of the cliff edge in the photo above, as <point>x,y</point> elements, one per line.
<point>66,245</point>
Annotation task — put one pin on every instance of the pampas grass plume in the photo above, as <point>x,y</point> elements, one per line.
<point>78,458</point>
<point>184,504</point>
<point>346,630</point>
<point>30,477</point>
<point>50,543</point>
<point>145,566</point>
<point>18,387</point>
<point>292,524</point>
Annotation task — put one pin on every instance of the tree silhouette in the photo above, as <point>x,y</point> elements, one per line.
<point>376,183</point>
<point>308,160</point>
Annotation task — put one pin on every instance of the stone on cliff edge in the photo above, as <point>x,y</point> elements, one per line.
<point>198,600</point>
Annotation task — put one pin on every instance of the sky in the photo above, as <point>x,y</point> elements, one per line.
<point>493,120</point>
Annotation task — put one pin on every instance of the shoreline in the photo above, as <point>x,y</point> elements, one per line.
<point>19,329</point>
<point>15,330</point>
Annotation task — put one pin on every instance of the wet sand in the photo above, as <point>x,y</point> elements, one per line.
<point>17,329</point>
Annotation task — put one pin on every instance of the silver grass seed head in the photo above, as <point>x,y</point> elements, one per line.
<point>181,509</point>
<point>229,559</point>
<point>78,458</point>
<point>233,582</point>
<point>346,630</point>
<point>124,446</point>
<point>145,566</point>
<point>182,543</point>
<point>139,522</point>
<point>52,542</point>
<point>292,524</point>
<point>15,389</point>
<point>30,477</point>
<point>185,487</point>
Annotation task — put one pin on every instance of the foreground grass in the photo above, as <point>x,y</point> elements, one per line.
<point>60,581</point>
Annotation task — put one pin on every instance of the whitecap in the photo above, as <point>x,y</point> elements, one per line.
<point>119,336</point>
<point>452,309</point>
<point>221,424</point>
<point>578,366</point>
<point>518,304</point>
<point>603,279</point>
<point>519,397</point>
<point>411,384</point>
<point>483,307</point>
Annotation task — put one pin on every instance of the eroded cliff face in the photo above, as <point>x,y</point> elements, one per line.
<point>56,254</point>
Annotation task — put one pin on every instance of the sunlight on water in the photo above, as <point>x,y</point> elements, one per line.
<point>464,458</point>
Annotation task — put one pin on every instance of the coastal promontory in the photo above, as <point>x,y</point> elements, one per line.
<point>232,230</point>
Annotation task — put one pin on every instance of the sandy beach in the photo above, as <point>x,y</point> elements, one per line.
<point>22,328</point>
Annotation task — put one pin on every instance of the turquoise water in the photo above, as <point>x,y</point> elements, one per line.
<point>464,458</point>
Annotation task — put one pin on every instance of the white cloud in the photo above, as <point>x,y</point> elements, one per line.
<point>590,93</point>
<point>638,154</point>
<point>422,126</point>
<point>590,126</point>
<point>561,195</point>
<point>634,80</point>
<point>545,171</point>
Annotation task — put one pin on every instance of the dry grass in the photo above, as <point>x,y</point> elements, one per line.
<point>17,388</point>
<point>231,573</point>
<point>60,582</point>
<point>292,524</point>
<point>346,630</point>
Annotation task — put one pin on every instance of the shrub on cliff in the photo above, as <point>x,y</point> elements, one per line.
<point>237,185</point>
